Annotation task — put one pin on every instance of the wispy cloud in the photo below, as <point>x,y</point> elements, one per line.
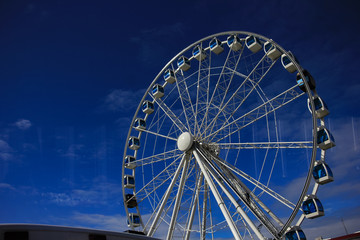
<point>74,151</point>
<point>6,186</point>
<point>115,222</point>
<point>123,100</point>
<point>6,152</point>
<point>23,124</point>
<point>101,192</point>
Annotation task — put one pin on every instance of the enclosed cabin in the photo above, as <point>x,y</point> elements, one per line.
<point>253,43</point>
<point>271,51</point>
<point>183,63</point>
<point>321,110</point>
<point>287,63</point>
<point>295,233</point>
<point>134,143</point>
<point>130,200</point>
<point>199,53</point>
<point>133,220</point>
<point>322,173</point>
<point>234,43</point>
<point>129,181</point>
<point>130,162</point>
<point>312,207</point>
<point>148,107</point>
<point>309,79</point>
<point>216,46</point>
<point>158,91</point>
<point>169,76</point>
<point>140,124</point>
<point>325,139</point>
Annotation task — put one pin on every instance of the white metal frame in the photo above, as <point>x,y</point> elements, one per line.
<point>215,109</point>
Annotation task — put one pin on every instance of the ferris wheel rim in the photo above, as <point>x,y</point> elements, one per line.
<point>314,146</point>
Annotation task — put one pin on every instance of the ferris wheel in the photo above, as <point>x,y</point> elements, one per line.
<point>229,140</point>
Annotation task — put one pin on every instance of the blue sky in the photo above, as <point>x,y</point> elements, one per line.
<point>73,72</point>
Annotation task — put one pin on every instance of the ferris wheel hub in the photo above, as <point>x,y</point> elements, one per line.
<point>185,141</point>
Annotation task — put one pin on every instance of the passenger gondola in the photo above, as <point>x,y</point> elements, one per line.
<point>309,79</point>
<point>216,46</point>
<point>183,63</point>
<point>169,76</point>
<point>134,143</point>
<point>130,200</point>
<point>322,173</point>
<point>133,220</point>
<point>148,107</point>
<point>295,233</point>
<point>199,53</point>
<point>140,124</point>
<point>312,207</point>
<point>325,140</point>
<point>234,43</point>
<point>129,181</point>
<point>253,43</point>
<point>321,110</point>
<point>287,63</point>
<point>158,91</point>
<point>271,51</point>
<point>129,162</point>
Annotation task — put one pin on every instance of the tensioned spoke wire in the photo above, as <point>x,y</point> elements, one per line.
<point>188,106</point>
<point>232,70</point>
<point>265,145</point>
<point>181,95</point>
<point>157,134</point>
<point>176,121</point>
<point>165,198</point>
<point>203,73</point>
<point>159,179</point>
<point>209,104</point>
<point>260,111</point>
<point>253,181</point>
<point>158,157</point>
<point>235,94</point>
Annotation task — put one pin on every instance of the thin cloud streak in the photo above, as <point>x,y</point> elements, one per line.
<point>23,124</point>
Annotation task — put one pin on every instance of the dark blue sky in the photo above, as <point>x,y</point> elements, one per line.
<point>72,73</point>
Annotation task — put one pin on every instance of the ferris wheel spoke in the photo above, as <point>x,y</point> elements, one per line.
<point>249,199</point>
<point>158,157</point>
<point>203,87</point>
<point>259,112</point>
<point>222,82</point>
<point>187,104</point>
<point>266,145</point>
<point>205,203</point>
<point>178,199</point>
<point>166,197</point>
<point>157,134</point>
<point>157,181</point>
<point>176,121</point>
<point>250,82</point>
<point>230,72</point>
<point>256,183</point>
<point>207,171</point>
<point>215,192</point>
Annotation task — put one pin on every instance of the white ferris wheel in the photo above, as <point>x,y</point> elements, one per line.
<point>227,141</point>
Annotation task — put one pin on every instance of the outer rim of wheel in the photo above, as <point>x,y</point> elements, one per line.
<point>309,94</point>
